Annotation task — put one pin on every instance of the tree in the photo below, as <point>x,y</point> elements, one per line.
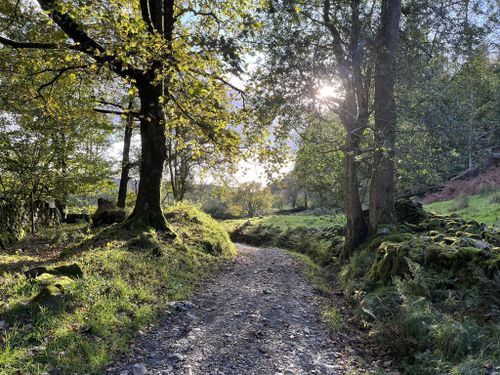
<point>319,163</point>
<point>382,182</point>
<point>251,199</point>
<point>324,42</point>
<point>47,154</point>
<point>126,164</point>
<point>160,47</point>
<point>310,44</point>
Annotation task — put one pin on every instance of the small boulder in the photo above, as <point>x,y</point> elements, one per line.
<point>409,211</point>
<point>383,231</point>
<point>181,305</point>
<point>77,218</point>
<point>481,245</point>
<point>176,357</point>
<point>139,369</point>
<point>107,213</point>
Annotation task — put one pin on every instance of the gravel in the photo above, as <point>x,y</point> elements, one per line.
<point>259,316</point>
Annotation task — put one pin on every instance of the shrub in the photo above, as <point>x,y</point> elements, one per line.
<point>455,340</point>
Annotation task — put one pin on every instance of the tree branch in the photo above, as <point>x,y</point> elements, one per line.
<point>32,45</point>
<point>84,42</point>
<point>145,15</point>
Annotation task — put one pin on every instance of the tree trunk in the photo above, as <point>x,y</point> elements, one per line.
<point>124,178</point>
<point>357,228</point>
<point>382,181</point>
<point>147,211</point>
<point>354,118</point>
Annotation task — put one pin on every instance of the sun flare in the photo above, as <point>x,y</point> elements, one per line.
<point>327,91</point>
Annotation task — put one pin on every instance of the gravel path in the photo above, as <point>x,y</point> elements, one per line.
<point>258,316</point>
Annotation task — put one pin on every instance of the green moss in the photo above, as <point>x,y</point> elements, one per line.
<point>200,231</point>
<point>493,238</point>
<point>146,241</point>
<point>390,261</point>
<point>50,296</point>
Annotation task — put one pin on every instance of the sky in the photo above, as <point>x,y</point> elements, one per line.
<point>247,170</point>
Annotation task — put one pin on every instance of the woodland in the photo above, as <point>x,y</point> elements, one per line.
<point>153,152</point>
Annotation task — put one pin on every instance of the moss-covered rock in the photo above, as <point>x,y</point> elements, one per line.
<point>431,224</point>
<point>390,261</point>
<point>71,270</point>
<point>492,238</point>
<point>53,291</point>
<point>439,285</point>
<point>409,211</point>
<point>108,216</point>
<point>107,213</point>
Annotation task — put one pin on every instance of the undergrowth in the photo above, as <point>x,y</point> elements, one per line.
<point>432,296</point>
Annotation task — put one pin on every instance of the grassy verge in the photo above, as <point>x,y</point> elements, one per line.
<point>285,222</point>
<point>484,207</point>
<point>314,236</point>
<point>127,280</point>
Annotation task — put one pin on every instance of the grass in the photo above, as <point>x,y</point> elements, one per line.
<point>313,272</point>
<point>124,289</point>
<point>312,235</point>
<point>284,222</point>
<point>484,208</point>
<point>333,319</point>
